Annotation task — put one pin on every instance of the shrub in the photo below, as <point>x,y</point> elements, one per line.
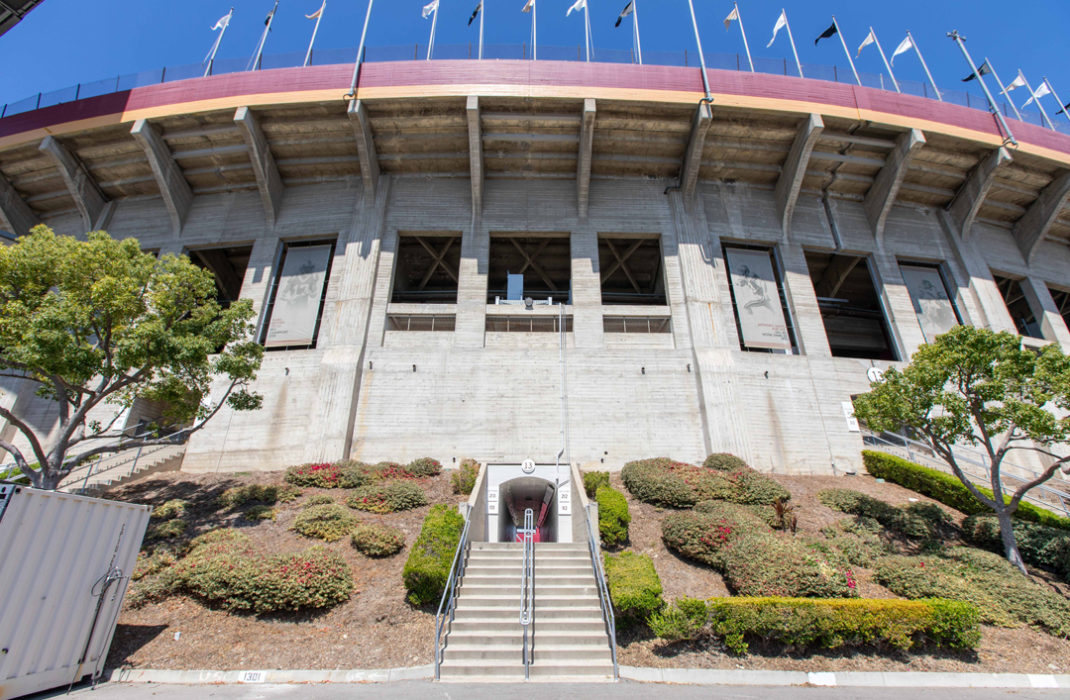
<point>257,493</point>
<point>314,578</point>
<point>634,587</point>
<point>656,481</point>
<point>702,534</point>
<point>725,462</point>
<point>175,508</point>
<point>153,589</point>
<point>592,481</point>
<point>664,482</point>
<point>1046,547</point>
<point>895,519</point>
<point>353,474</point>
<point>947,489</point>
<point>854,541</point>
<point>318,499</point>
<point>464,479</point>
<point>322,475</point>
<point>149,563</point>
<point>424,467</point>
<point>259,512</point>
<point>167,530</point>
<point>431,555</point>
<point>328,522</point>
<point>823,624</point>
<point>374,540</point>
<point>387,497</point>
<point>613,516</point>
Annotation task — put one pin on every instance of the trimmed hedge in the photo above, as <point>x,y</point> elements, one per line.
<point>375,540</point>
<point>613,516</point>
<point>665,482</point>
<point>322,475</point>
<point>329,523</point>
<point>464,479</point>
<point>1046,547</point>
<point>724,462</point>
<point>424,467</point>
<point>822,624</point>
<point>634,587</point>
<point>947,488</point>
<point>896,519</point>
<point>592,481</point>
<point>428,565</point>
<point>387,497</point>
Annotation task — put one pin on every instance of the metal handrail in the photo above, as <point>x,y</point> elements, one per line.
<point>448,604</point>
<point>527,589</point>
<point>603,591</point>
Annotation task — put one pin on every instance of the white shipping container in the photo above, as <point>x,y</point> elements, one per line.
<point>65,562</point>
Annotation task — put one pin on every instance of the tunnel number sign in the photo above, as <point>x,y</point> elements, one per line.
<point>492,501</point>
<point>564,499</point>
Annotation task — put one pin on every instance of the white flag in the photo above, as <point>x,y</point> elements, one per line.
<point>870,38</point>
<point>429,8</point>
<point>319,13</point>
<point>577,6</point>
<point>733,15</point>
<point>527,8</point>
<point>904,46</point>
<point>781,22</point>
<point>1015,84</point>
<point>223,21</point>
<point>1040,92</point>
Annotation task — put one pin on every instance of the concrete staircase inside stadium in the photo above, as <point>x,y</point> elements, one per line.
<point>569,638</point>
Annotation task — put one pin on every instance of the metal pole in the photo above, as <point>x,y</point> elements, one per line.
<point>1057,99</point>
<point>482,11</point>
<point>263,37</point>
<point>701,57</point>
<point>1003,90</point>
<point>360,54</point>
<point>843,43</point>
<point>887,65</point>
<point>218,41</point>
<point>980,78</point>
<point>431,41</point>
<point>635,21</point>
<point>746,47</point>
<point>534,32</point>
<point>926,66</point>
<point>1036,100</point>
<point>798,63</point>
<point>587,30</point>
<point>308,56</point>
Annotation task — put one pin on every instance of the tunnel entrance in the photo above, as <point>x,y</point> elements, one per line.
<point>517,495</point>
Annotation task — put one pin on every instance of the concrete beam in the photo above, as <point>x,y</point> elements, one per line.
<point>791,175</point>
<point>700,126</point>
<point>475,153</point>
<point>16,214</point>
<point>175,191</point>
<point>268,180</point>
<point>583,158</point>
<point>835,275</point>
<point>91,202</point>
<point>1041,214</point>
<point>882,193</point>
<point>369,159</point>
<point>971,195</point>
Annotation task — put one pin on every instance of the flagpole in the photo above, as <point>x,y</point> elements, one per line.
<point>980,78</point>
<point>534,33</point>
<point>701,57</point>
<point>263,38</point>
<point>482,11</point>
<point>635,22</point>
<point>1056,96</point>
<point>746,47</point>
<point>885,59</point>
<point>431,41</point>
<point>1003,90</point>
<point>787,25</point>
<point>587,29</point>
<point>218,41</point>
<point>308,56</point>
<point>360,53</point>
<point>843,43</point>
<point>926,66</point>
<point>1036,100</point>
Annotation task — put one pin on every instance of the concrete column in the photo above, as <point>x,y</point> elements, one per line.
<point>1052,325</point>
<point>586,289</point>
<point>472,286</point>
<point>898,305</point>
<point>802,301</point>
<point>993,310</point>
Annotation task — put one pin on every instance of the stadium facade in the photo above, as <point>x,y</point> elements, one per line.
<point>724,273</point>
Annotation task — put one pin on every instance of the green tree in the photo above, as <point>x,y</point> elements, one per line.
<point>96,324</point>
<point>974,386</point>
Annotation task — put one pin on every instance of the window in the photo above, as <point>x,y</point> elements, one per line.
<point>932,299</point>
<point>228,265</point>
<point>850,305</point>
<point>636,324</point>
<point>761,309</point>
<point>298,291</point>
<point>529,323</point>
<point>631,270</point>
<point>1061,297</point>
<point>544,262</point>
<point>1018,306</point>
<point>421,322</point>
<point>426,267</point>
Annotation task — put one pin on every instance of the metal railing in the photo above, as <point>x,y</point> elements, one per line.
<point>447,607</point>
<point>414,52</point>
<point>977,470</point>
<point>608,618</point>
<point>527,591</point>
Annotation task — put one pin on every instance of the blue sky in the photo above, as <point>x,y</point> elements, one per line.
<point>64,42</point>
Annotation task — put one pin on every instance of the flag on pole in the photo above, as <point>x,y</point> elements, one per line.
<point>1015,84</point>
<point>983,70</point>
<point>781,22</point>
<point>870,39</point>
<point>628,9</point>
<point>732,16</point>
<point>267,20</point>
<point>429,8</point>
<point>904,46</point>
<point>1065,107</point>
<point>1038,93</point>
<point>475,13</point>
<point>223,21</point>
<point>527,8</point>
<point>827,33</point>
<point>576,6</point>
<point>318,13</point>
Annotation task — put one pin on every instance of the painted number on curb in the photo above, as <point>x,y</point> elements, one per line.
<point>253,677</point>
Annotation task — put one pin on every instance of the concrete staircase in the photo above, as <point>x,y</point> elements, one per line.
<point>485,641</point>
<point>125,466</point>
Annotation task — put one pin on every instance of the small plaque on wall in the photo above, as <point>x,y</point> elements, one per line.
<point>564,500</point>
<point>492,501</point>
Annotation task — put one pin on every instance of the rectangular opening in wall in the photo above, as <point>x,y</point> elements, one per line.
<point>544,261</point>
<point>421,322</point>
<point>426,268</point>
<point>298,291</point>
<point>1061,297</point>
<point>636,324</point>
<point>1018,306</point>
<point>932,298</point>
<point>631,270</point>
<point>851,309</point>
<point>530,323</point>
<point>228,266</point>
<point>761,308</point>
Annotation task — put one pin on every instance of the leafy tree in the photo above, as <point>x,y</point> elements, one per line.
<point>97,324</point>
<point>978,387</point>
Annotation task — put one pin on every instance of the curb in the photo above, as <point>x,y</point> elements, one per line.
<point>375,675</point>
<point>861,679</point>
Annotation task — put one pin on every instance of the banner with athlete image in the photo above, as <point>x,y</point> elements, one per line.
<point>761,317</point>
<point>935,313</point>
<point>297,297</point>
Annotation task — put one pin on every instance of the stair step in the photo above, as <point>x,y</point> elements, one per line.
<point>571,653</point>
<point>492,626</point>
<point>484,612</point>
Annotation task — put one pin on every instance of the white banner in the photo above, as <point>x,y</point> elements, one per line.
<point>761,317</point>
<point>931,303</point>
<point>297,298</point>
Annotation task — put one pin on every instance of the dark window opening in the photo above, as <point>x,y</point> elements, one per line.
<point>850,305</point>
<point>545,262</point>
<point>529,323</point>
<point>631,270</point>
<point>1018,306</point>
<point>426,269</point>
<point>759,305</point>
<point>421,322</point>
<point>1061,297</point>
<point>228,266</point>
<point>294,310</point>
<point>636,324</point>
